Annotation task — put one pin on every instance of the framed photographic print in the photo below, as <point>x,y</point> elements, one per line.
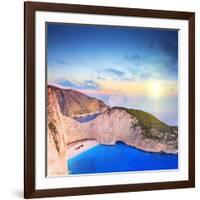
<point>109,99</point>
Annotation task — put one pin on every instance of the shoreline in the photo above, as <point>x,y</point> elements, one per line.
<point>79,147</point>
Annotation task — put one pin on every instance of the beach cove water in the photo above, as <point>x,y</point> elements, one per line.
<point>119,158</point>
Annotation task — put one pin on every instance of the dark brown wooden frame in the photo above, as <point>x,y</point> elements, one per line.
<point>29,107</point>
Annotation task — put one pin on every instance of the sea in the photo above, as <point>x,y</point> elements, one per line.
<point>120,158</point>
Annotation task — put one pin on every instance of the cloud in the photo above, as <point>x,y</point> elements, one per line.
<point>160,61</point>
<point>149,76</point>
<point>167,52</point>
<point>86,84</point>
<point>91,84</point>
<point>170,49</point>
<point>61,62</point>
<point>113,74</point>
<point>136,58</point>
<point>54,63</point>
<point>67,83</point>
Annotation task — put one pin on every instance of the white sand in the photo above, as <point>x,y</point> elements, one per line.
<point>78,147</point>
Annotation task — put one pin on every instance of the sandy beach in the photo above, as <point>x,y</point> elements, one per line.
<point>78,147</point>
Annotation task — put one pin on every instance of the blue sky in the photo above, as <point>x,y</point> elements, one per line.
<point>123,66</point>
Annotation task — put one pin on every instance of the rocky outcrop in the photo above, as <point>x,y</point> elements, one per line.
<point>56,137</point>
<point>117,124</point>
<point>135,128</point>
<point>74,103</point>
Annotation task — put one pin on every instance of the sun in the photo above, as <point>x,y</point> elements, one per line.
<point>155,89</point>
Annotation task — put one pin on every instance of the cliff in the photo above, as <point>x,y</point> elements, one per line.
<point>56,137</point>
<point>119,124</point>
<point>134,127</point>
<point>61,129</point>
<point>74,103</point>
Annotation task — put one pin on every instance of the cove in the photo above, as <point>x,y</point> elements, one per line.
<point>119,158</point>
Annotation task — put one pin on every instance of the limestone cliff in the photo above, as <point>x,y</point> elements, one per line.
<point>119,124</point>
<point>56,137</point>
<point>61,129</point>
<point>135,128</point>
<point>73,103</point>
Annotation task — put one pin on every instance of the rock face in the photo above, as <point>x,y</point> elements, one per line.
<point>135,128</point>
<point>56,137</point>
<point>61,128</point>
<point>74,103</point>
<point>117,124</point>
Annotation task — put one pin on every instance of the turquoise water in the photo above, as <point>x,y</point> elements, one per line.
<point>86,118</point>
<point>120,158</point>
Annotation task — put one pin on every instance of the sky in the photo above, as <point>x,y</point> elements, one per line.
<point>123,66</point>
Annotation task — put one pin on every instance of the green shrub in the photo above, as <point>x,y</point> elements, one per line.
<point>148,122</point>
